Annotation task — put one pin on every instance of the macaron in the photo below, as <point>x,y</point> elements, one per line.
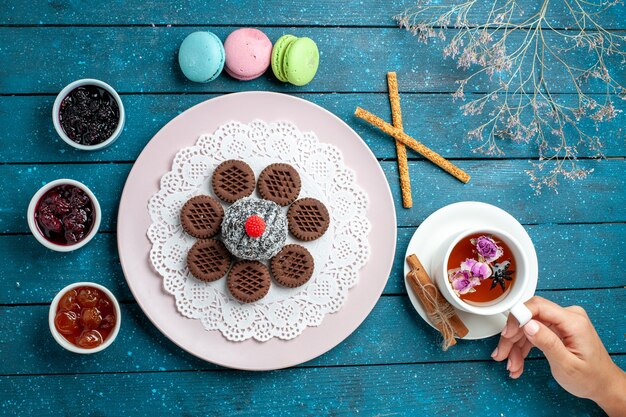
<point>295,60</point>
<point>201,56</point>
<point>248,53</point>
<point>278,56</point>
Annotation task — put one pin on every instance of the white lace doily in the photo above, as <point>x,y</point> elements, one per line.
<point>338,255</point>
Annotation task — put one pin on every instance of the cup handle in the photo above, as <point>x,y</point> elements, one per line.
<point>521,313</point>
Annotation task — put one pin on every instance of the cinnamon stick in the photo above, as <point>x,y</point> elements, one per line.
<point>396,117</point>
<point>418,147</point>
<point>420,273</point>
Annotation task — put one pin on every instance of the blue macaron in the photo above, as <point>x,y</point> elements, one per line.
<point>201,56</point>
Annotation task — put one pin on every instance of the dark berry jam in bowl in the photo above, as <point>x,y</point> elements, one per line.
<point>88,114</point>
<point>64,215</point>
<point>84,317</point>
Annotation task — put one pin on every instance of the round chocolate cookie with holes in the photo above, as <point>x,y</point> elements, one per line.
<point>208,260</point>
<point>308,219</point>
<point>279,183</point>
<point>201,216</point>
<point>248,281</point>
<point>254,229</point>
<point>232,180</point>
<point>292,266</point>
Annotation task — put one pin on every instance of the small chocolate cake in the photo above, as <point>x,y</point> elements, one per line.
<point>244,243</point>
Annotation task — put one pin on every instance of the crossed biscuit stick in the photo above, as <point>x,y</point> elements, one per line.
<point>397,132</point>
<point>403,163</point>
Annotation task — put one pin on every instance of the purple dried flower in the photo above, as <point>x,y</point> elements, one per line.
<point>488,248</point>
<point>522,108</point>
<point>478,269</point>
<point>462,282</point>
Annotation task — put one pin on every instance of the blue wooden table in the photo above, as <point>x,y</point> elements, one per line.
<point>392,364</point>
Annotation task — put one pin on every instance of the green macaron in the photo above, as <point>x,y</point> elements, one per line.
<point>301,61</point>
<point>295,60</point>
<point>278,56</point>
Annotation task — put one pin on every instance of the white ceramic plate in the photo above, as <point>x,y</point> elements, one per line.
<point>147,285</point>
<point>432,237</point>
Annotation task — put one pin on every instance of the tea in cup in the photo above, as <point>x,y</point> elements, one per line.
<point>485,271</point>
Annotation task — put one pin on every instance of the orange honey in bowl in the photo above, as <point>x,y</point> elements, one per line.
<point>85,317</point>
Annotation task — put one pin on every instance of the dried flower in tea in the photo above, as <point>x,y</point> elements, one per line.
<point>473,271</point>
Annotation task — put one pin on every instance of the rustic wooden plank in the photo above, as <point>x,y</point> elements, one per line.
<point>433,118</point>
<point>198,12</point>
<point>570,256</point>
<point>144,59</point>
<point>504,183</point>
<point>392,334</point>
<point>34,274</point>
<point>475,388</point>
<point>568,259</point>
<point>20,182</point>
<point>599,198</point>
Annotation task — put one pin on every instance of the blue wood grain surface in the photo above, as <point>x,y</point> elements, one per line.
<point>434,119</point>
<point>255,13</point>
<point>392,364</point>
<point>392,334</point>
<point>31,280</point>
<point>144,60</point>
<point>500,182</point>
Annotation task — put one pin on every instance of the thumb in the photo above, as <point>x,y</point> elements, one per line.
<point>547,341</point>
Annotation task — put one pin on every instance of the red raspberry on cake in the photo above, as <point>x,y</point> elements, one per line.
<point>255,226</point>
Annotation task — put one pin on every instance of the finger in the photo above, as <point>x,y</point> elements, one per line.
<point>502,350</point>
<point>526,348</point>
<point>505,345</point>
<point>555,330</point>
<point>520,343</point>
<point>511,328</point>
<point>515,362</point>
<point>577,310</point>
<point>548,312</point>
<point>548,342</point>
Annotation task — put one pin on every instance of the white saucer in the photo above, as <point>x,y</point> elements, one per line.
<point>433,236</point>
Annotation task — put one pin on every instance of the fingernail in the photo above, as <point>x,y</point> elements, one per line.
<point>504,331</point>
<point>508,364</point>
<point>531,328</point>
<point>494,353</point>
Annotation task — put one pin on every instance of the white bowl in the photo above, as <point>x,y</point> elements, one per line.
<point>32,223</point>
<point>57,106</point>
<point>62,340</point>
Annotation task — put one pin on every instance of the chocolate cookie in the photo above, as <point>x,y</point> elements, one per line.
<point>201,216</point>
<point>279,183</point>
<point>292,266</point>
<point>232,180</point>
<point>308,219</point>
<point>208,260</point>
<point>249,281</point>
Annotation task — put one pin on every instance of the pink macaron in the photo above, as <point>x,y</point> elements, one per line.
<point>248,54</point>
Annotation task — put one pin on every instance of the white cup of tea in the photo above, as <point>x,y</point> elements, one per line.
<point>510,301</point>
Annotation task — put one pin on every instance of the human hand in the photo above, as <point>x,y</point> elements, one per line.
<point>578,360</point>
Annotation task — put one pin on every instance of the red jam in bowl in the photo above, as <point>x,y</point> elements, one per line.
<point>64,215</point>
<point>85,317</point>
